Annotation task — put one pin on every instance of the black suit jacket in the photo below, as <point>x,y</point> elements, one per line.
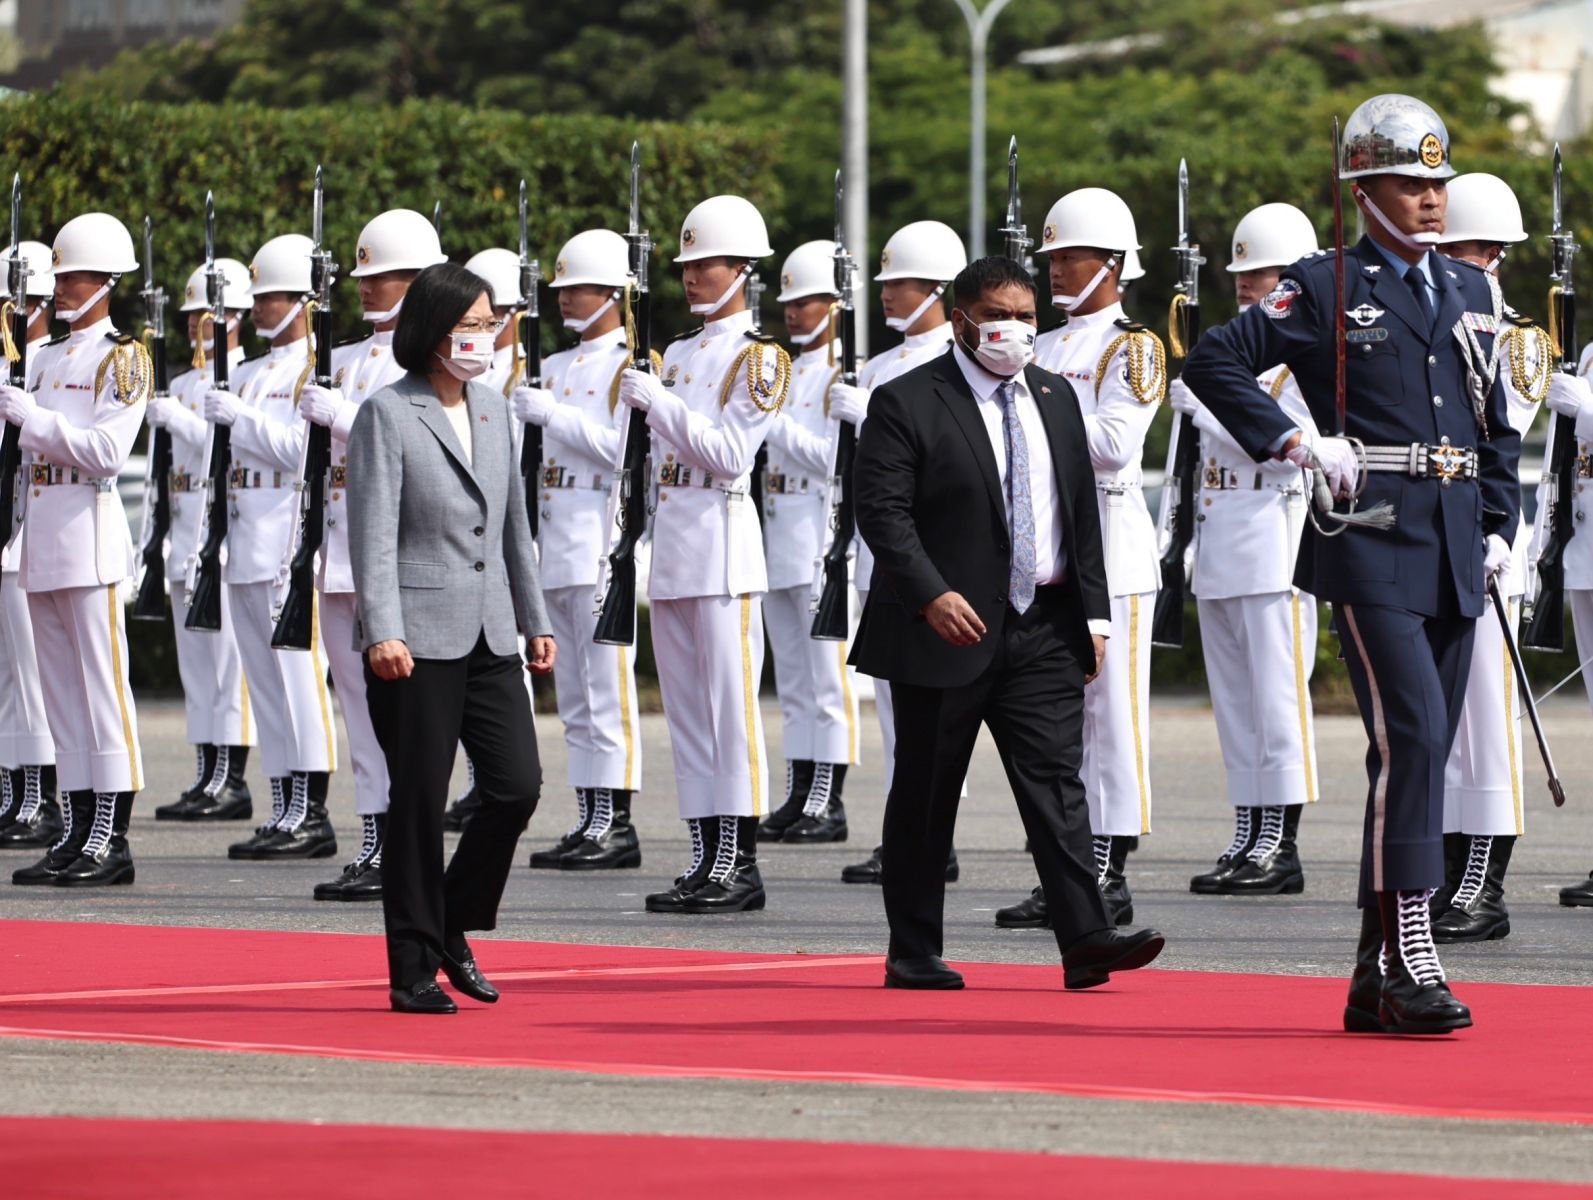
<point>930,507</point>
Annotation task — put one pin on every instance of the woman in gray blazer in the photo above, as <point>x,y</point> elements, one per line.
<point>446,575</point>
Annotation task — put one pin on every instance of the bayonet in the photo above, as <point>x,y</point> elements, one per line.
<point>16,215</point>
<point>436,219</point>
<point>1014,231</point>
<point>149,600</point>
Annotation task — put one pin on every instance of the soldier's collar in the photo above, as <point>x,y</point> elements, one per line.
<point>735,323</point>
<point>1096,320</point>
<point>91,333</point>
<point>940,335</point>
<point>602,341</point>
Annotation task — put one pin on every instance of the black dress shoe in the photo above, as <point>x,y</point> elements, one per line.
<point>231,803</point>
<point>1209,883</point>
<point>314,838</point>
<point>36,833</point>
<point>424,997</point>
<point>928,974</point>
<point>871,870</point>
<point>359,881</point>
<point>742,892</point>
<point>1028,913</point>
<point>617,850</point>
<point>1578,895</point>
<point>1090,961</point>
<point>466,977</point>
<point>828,826</point>
<point>672,899</point>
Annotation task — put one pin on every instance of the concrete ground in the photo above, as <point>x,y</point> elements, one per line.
<point>184,878</point>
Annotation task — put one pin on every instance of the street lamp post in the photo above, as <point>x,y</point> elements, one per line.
<point>979,24</point>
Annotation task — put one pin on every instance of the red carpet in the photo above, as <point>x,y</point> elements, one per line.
<point>198,1160</point>
<point>1154,1035</point>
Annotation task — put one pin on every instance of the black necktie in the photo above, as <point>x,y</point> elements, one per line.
<point>1418,288</point>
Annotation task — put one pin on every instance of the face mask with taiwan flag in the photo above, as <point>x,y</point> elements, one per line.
<point>469,354</point>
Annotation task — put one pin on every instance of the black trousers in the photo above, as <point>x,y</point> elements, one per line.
<point>1409,675</point>
<point>1032,698</point>
<point>479,700</point>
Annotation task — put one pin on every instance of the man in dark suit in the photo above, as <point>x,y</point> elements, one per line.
<point>988,606</point>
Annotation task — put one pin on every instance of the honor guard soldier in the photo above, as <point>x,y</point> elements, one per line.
<point>30,818</point>
<point>215,689</point>
<point>817,705</point>
<point>1257,631</point>
<point>1119,370</point>
<point>1420,437</point>
<point>580,416</point>
<point>1483,812</point>
<point>393,248</point>
<point>79,418</point>
<point>722,385</point>
<point>291,702</point>
<point>915,267</point>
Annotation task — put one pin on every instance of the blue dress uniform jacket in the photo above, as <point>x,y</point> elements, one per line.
<point>1405,383</point>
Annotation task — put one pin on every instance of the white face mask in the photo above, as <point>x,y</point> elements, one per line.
<point>471,354</point>
<point>708,310</point>
<point>582,324</point>
<point>381,318</point>
<point>1071,304</point>
<point>804,340</point>
<point>903,324</point>
<point>276,330</point>
<point>71,314</point>
<point>1411,241</point>
<point>1005,347</point>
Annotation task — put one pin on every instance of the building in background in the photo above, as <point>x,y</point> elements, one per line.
<point>40,40</point>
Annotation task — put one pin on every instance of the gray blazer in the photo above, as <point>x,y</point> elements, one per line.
<point>441,548</point>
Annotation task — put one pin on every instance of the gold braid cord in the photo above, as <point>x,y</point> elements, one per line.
<point>833,380</point>
<point>199,359</point>
<point>630,319</point>
<point>310,307</point>
<point>1554,320</point>
<point>6,311</point>
<point>829,335</point>
<point>613,388</point>
<point>513,381</point>
<point>1175,314</point>
<point>131,370</point>
<point>759,390</point>
<point>1531,381</point>
<point>1140,345</point>
<point>1277,384</point>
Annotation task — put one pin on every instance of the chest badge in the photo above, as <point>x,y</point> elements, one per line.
<point>1363,315</point>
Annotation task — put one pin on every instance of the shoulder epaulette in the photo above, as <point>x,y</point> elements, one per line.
<point>1146,380</point>
<point>690,333</point>
<point>56,341</point>
<point>1131,325</point>
<point>757,335</point>
<point>249,358</point>
<point>1520,320</point>
<point>120,338</point>
<point>352,341</point>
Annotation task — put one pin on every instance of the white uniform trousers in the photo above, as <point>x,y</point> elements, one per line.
<point>1482,779</point>
<point>1581,601</point>
<point>1117,725</point>
<point>709,651</point>
<point>81,642</point>
<point>1259,651</point>
<point>596,688</point>
<point>338,614</point>
<point>292,706</point>
<point>818,707</point>
<point>885,710</point>
<point>215,689</point>
<point>24,731</point>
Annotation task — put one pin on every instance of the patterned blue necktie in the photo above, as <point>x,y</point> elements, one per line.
<point>1020,589</point>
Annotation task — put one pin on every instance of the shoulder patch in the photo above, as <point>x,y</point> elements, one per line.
<point>350,341</point>
<point>56,341</point>
<point>1520,320</point>
<point>768,339</point>
<point>120,338</point>
<point>249,358</point>
<point>690,333</point>
<point>1130,324</point>
<point>1279,302</point>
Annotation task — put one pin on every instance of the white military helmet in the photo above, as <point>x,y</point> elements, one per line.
<point>809,270</point>
<point>1393,134</point>
<point>922,250</point>
<point>236,291</point>
<point>1271,235</point>
<point>723,227</point>
<point>281,265</point>
<point>501,269</point>
<point>596,257</point>
<point>1482,208</point>
<point>36,263</point>
<point>1132,267</point>
<point>94,242</point>
<point>398,240</point>
<point>1089,216</point>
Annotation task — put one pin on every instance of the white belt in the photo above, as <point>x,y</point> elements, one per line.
<point>51,475</point>
<point>1226,479</point>
<point>1117,486</point>
<point>680,475</point>
<point>243,477</point>
<point>564,479</point>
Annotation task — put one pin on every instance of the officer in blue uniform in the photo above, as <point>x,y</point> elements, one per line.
<point>1426,435</point>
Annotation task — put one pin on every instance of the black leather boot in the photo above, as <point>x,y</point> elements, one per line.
<point>226,797</point>
<point>204,769</point>
<point>549,859</point>
<point>77,819</point>
<point>106,858</point>
<point>704,834</point>
<point>1245,828</point>
<point>1030,913</point>
<point>610,842</point>
<point>1457,848</point>
<point>39,822</point>
<point>823,818</point>
<point>10,795</point>
<point>461,810</point>
<point>1578,895</point>
<point>1273,865</point>
<point>1366,981</point>
<point>798,782</point>
<point>1111,863</point>
<point>733,883</point>
<point>249,848</point>
<point>1477,910</point>
<point>1415,997</point>
<point>362,878</point>
<point>871,869</point>
<point>305,830</point>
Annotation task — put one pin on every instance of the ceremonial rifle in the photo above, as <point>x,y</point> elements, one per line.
<point>627,498</point>
<point>204,572</point>
<point>1183,454</point>
<point>1015,232</point>
<point>530,335</point>
<point>15,317</point>
<point>149,604</point>
<point>760,458</point>
<point>832,617</point>
<point>295,627</point>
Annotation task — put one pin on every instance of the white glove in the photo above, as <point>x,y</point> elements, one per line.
<point>849,403</point>
<point>533,405</point>
<point>1569,395</point>
<point>158,412</point>
<point>1183,400</point>
<point>320,405</point>
<point>1496,558</point>
<point>639,389</point>
<point>16,406</point>
<point>221,408</point>
<point>1337,459</point>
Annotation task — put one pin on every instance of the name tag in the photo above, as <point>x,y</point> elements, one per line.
<point>1356,337</point>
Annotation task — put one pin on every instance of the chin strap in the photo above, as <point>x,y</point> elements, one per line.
<point>903,324</point>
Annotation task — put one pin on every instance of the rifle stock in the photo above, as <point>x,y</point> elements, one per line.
<point>17,353</point>
<point>204,592</point>
<point>832,605</point>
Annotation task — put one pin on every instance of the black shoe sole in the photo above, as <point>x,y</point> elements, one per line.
<point>1079,978</point>
<point>752,903</point>
<point>1492,934</point>
<point>1288,887</point>
<point>1391,1025</point>
<point>827,840</point>
<point>124,876</point>
<point>324,850</point>
<point>623,862</point>
<point>947,985</point>
<point>849,876</point>
<point>246,813</point>
<point>1011,924</point>
<point>1565,901</point>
